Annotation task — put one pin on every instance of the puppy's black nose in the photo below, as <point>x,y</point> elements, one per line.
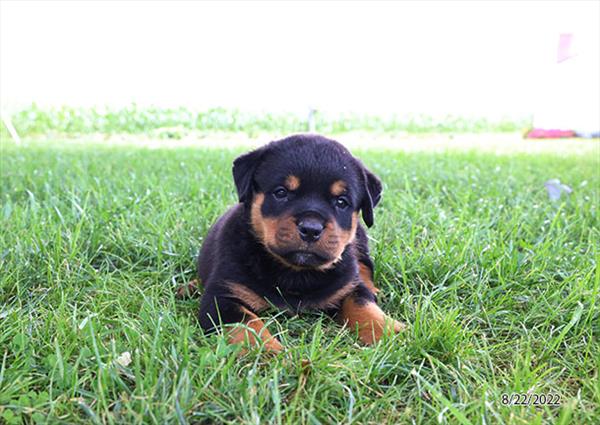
<point>310,229</point>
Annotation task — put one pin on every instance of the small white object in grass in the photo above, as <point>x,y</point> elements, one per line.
<point>83,323</point>
<point>555,189</point>
<point>124,359</point>
<point>5,313</point>
<point>11,129</point>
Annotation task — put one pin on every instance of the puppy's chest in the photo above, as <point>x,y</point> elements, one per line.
<point>298,292</point>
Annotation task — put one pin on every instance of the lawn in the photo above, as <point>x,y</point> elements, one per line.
<point>499,287</point>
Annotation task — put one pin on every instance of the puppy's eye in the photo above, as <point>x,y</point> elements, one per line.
<point>342,203</point>
<point>280,193</point>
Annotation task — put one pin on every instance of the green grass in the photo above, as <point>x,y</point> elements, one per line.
<point>498,285</point>
<point>175,123</point>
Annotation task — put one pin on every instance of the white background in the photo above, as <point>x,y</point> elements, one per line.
<point>479,58</point>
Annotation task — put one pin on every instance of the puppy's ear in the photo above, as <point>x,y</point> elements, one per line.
<point>372,195</point>
<point>244,167</point>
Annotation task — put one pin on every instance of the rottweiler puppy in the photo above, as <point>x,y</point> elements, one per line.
<point>293,242</point>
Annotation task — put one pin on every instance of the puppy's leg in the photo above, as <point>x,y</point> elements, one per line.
<point>360,311</point>
<point>244,335</point>
<point>365,272</point>
<point>222,309</point>
<point>365,264</point>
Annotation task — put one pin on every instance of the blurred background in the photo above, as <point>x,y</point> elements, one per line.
<point>291,66</point>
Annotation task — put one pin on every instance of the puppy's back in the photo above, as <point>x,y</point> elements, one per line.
<point>208,258</point>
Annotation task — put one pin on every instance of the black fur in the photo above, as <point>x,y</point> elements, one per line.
<point>232,252</point>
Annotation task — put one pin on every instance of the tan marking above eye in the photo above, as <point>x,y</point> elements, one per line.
<point>292,182</point>
<point>338,188</point>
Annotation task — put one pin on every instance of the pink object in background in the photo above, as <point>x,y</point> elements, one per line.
<point>568,102</point>
<point>565,48</point>
<point>540,133</point>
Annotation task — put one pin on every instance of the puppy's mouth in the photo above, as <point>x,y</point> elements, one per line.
<point>304,258</point>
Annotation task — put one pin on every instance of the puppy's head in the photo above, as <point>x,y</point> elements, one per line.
<point>304,194</point>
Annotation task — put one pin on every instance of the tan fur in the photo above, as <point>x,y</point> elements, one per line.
<point>338,187</point>
<point>248,296</point>
<point>334,300</point>
<point>369,318</point>
<point>263,228</point>
<point>272,232</point>
<point>367,277</point>
<point>281,233</point>
<point>240,334</point>
<point>292,182</point>
<point>335,239</point>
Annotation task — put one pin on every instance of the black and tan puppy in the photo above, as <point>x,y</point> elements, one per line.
<point>294,241</point>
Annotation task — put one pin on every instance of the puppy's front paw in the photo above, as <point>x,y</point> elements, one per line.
<point>398,326</point>
<point>248,340</point>
<point>252,333</point>
<point>371,331</point>
<point>370,321</point>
